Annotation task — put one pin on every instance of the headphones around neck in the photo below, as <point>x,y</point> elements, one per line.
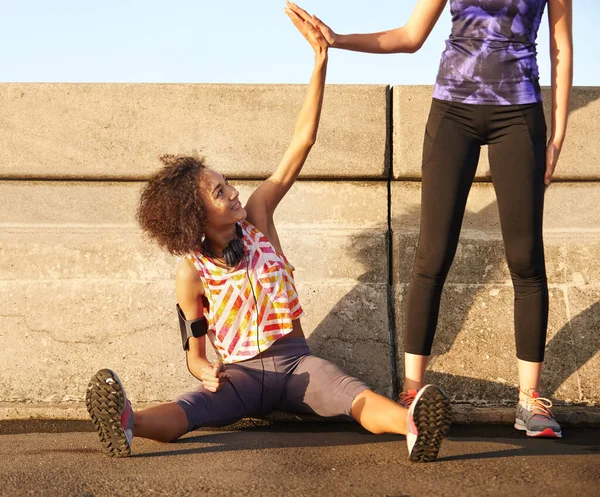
<point>234,252</point>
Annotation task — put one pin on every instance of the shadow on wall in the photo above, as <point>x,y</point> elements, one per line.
<point>463,303</point>
<point>355,333</point>
<point>582,97</point>
<point>355,341</point>
<point>471,323</point>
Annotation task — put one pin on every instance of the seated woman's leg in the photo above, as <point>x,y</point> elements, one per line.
<point>163,423</point>
<point>378,414</point>
<point>192,410</point>
<point>318,386</point>
<point>116,423</point>
<point>240,396</point>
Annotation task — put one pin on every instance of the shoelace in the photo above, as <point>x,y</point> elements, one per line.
<point>539,406</point>
<point>405,399</point>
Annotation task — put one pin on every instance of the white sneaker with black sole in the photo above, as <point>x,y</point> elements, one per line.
<point>111,412</point>
<point>427,423</point>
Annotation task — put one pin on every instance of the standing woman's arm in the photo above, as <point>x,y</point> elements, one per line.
<point>561,53</point>
<point>405,39</point>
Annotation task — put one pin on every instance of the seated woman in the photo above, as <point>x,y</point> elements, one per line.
<point>236,287</point>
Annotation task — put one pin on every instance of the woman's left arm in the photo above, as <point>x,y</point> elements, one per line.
<point>561,55</point>
<point>261,205</point>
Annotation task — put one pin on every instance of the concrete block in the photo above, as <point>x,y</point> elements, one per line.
<point>584,308</point>
<point>350,256</point>
<point>569,208</point>
<point>118,131</point>
<point>579,157</point>
<point>478,295</point>
<point>474,356</point>
<point>570,235</point>
<point>481,260</point>
<point>130,326</point>
<point>347,323</point>
<point>54,253</point>
<point>337,205</point>
<point>82,289</point>
<point>68,204</point>
<point>577,261</point>
<point>66,330</point>
<point>82,204</point>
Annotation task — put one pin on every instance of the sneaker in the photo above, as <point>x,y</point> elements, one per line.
<point>428,422</point>
<point>111,412</point>
<point>535,418</point>
<point>407,397</point>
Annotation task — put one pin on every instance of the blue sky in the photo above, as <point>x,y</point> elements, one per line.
<point>233,41</point>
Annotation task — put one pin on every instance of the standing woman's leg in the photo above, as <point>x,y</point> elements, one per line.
<point>450,156</point>
<point>517,160</point>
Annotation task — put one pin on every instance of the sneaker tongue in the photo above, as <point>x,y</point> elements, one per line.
<point>535,395</point>
<point>412,392</point>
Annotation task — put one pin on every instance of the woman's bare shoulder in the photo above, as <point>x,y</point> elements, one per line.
<point>187,281</point>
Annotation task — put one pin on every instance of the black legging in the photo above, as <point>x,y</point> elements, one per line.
<point>516,136</point>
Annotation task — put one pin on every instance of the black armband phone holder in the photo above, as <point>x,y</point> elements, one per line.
<point>190,328</point>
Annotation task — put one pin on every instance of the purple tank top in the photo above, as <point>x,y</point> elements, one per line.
<point>490,57</point>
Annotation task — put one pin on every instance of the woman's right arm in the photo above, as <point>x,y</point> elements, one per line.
<point>405,39</point>
<point>189,291</point>
<point>560,17</point>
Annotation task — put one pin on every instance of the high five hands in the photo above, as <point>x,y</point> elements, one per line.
<point>312,28</point>
<point>325,30</point>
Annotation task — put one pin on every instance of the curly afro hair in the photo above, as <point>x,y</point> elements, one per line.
<point>171,209</point>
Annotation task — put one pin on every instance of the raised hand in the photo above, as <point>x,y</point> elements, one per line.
<point>313,35</point>
<point>325,30</point>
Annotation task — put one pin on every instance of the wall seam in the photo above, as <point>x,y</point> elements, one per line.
<point>390,243</point>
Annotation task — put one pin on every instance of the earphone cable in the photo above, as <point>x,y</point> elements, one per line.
<point>262,381</point>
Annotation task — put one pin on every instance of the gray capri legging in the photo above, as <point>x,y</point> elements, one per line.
<point>294,381</point>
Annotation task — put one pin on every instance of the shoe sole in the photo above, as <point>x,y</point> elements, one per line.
<point>545,433</point>
<point>432,416</point>
<point>105,402</point>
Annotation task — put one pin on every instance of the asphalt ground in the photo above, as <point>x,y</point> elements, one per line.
<point>56,458</point>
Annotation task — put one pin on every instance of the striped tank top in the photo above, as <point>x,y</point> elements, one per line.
<point>231,314</point>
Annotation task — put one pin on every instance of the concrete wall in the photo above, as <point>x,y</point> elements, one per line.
<point>81,289</point>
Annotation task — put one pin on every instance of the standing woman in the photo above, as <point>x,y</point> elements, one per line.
<point>487,92</point>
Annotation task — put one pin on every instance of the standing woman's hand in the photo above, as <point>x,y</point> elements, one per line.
<point>316,39</point>
<point>552,153</point>
<point>325,30</point>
